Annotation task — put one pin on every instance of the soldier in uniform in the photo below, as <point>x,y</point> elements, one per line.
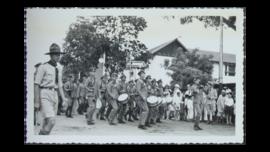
<point>122,88</point>
<point>154,88</point>
<point>112,92</point>
<point>159,93</point>
<point>81,95</point>
<point>102,95</point>
<point>197,92</point>
<point>69,94</point>
<point>91,95</point>
<point>131,90</point>
<point>149,92</point>
<point>48,79</point>
<point>141,99</point>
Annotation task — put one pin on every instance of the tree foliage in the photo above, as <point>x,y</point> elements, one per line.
<point>209,21</point>
<point>88,38</point>
<point>189,65</point>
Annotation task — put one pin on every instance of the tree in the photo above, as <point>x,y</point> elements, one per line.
<point>209,21</point>
<point>189,65</point>
<point>88,38</point>
<point>215,22</point>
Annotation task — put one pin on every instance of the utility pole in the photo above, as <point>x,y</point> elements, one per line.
<point>221,53</point>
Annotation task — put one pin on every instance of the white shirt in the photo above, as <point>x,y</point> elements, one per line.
<point>229,102</point>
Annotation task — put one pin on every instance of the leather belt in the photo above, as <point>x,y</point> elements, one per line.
<point>49,88</point>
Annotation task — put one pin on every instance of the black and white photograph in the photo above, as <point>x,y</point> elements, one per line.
<point>134,75</point>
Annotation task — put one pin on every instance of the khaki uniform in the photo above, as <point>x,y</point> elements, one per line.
<point>142,94</point>
<point>197,101</point>
<point>91,95</point>
<point>161,108</point>
<point>45,78</point>
<point>112,91</point>
<point>102,94</point>
<point>151,109</point>
<point>132,92</point>
<point>122,88</point>
<point>81,93</point>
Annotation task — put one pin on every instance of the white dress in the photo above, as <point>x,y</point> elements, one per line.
<point>189,104</point>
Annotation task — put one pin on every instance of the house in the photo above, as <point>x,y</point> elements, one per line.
<point>164,54</point>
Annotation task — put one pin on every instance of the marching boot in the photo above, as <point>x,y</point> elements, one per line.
<point>129,118</point>
<point>208,119</point>
<point>147,125</point>
<point>125,117</point>
<point>67,112</point>
<point>152,122</point>
<point>134,117</point>
<point>42,132</point>
<point>158,120</point>
<point>121,121</point>
<point>70,112</point>
<point>197,121</point>
<point>142,127</point>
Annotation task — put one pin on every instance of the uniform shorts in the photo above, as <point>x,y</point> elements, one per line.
<point>49,103</point>
<point>228,110</point>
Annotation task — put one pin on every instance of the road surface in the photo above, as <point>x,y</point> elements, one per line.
<point>78,126</point>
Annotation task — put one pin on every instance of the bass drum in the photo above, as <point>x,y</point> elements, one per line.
<point>123,98</point>
<point>152,101</point>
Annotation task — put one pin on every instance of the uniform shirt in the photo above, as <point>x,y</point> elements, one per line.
<point>159,91</point>
<point>112,90</point>
<point>154,90</point>
<point>197,95</point>
<point>68,87</point>
<point>81,90</point>
<point>102,86</point>
<point>45,76</point>
<point>131,90</point>
<point>149,88</point>
<point>141,88</point>
<point>122,87</point>
<point>74,90</point>
<point>91,86</point>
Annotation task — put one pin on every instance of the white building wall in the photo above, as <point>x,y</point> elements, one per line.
<point>157,70</point>
<point>226,79</point>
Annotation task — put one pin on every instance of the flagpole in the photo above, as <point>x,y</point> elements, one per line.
<point>221,52</point>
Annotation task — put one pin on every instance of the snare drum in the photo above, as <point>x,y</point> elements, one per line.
<point>168,100</point>
<point>123,98</point>
<point>152,101</point>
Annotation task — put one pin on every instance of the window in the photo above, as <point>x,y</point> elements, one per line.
<point>230,69</point>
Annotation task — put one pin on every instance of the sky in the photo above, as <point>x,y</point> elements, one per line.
<point>47,26</point>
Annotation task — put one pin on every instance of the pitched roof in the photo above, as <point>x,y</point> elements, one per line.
<point>159,47</point>
<point>227,57</point>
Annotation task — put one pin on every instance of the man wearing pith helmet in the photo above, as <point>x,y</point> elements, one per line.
<point>48,79</point>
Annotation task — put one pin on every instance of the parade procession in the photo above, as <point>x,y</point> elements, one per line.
<point>144,101</point>
<point>120,75</point>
